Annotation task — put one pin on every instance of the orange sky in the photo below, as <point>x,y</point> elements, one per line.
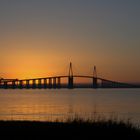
<point>42,40</point>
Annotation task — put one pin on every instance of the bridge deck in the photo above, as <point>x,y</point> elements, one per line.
<point>106,82</point>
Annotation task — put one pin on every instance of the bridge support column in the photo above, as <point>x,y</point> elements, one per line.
<point>59,82</point>
<point>45,83</point>
<point>34,83</point>
<point>95,82</point>
<point>27,83</point>
<point>50,82</point>
<point>39,83</point>
<point>13,84</point>
<point>70,77</point>
<point>54,82</point>
<point>70,82</point>
<point>20,84</point>
<point>5,84</point>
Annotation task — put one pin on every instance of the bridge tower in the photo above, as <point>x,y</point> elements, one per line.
<point>95,77</point>
<point>70,77</point>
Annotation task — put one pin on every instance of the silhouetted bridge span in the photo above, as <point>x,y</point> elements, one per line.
<point>55,82</point>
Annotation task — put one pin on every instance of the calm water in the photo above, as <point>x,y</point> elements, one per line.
<point>52,104</point>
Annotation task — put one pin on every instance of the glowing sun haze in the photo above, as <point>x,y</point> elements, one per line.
<point>40,37</point>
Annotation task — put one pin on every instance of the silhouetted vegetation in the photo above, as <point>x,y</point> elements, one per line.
<point>72,128</point>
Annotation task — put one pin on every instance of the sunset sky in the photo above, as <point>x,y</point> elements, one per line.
<point>40,37</point>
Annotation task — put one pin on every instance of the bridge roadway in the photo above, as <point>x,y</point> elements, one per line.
<point>51,77</point>
<point>74,76</point>
<point>55,82</point>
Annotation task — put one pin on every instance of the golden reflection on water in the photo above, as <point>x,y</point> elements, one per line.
<point>52,104</point>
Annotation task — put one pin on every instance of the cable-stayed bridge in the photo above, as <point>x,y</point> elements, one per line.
<point>55,82</point>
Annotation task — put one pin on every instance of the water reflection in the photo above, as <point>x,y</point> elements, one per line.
<point>59,104</point>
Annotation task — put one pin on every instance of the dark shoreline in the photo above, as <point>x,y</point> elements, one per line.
<point>76,128</point>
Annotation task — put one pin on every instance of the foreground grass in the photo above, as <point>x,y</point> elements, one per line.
<point>74,128</point>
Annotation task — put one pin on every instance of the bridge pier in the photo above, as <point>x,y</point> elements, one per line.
<point>58,82</point>
<point>5,84</point>
<point>70,77</point>
<point>50,83</point>
<point>70,82</point>
<point>45,83</point>
<point>54,82</point>
<point>95,82</point>
<point>13,84</point>
<point>27,83</point>
<point>34,83</point>
<point>39,83</point>
<point>20,84</point>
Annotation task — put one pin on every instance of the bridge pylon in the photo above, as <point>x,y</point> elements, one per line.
<point>95,84</point>
<point>70,77</point>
